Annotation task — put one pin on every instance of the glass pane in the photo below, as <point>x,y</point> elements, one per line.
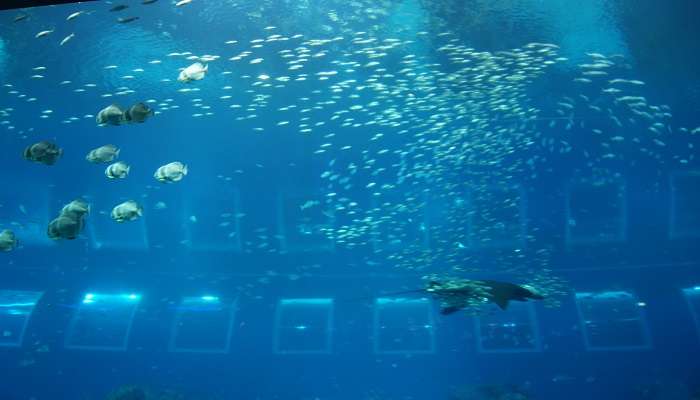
<point>218,228</point>
<point>202,324</point>
<point>613,321</point>
<point>16,308</point>
<point>596,213</point>
<point>303,326</point>
<point>511,331</point>
<point>685,213</point>
<point>102,322</point>
<point>403,326</point>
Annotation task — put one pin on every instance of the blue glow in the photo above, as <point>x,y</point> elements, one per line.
<point>133,296</point>
<point>301,327</point>
<point>210,298</point>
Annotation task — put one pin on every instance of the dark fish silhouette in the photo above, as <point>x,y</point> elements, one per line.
<point>20,17</point>
<point>148,1</point>
<point>43,152</point>
<point>456,295</point>
<point>119,7</point>
<point>127,19</point>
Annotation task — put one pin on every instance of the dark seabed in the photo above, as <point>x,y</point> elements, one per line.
<point>328,200</point>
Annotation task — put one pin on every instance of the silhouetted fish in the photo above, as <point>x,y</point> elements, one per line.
<point>127,19</point>
<point>119,7</point>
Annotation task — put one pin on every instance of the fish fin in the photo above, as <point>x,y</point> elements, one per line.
<point>501,302</point>
<point>184,170</point>
<point>128,168</point>
<point>449,310</point>
<point>116,153</point>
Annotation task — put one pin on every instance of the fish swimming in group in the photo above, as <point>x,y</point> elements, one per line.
<point>115,115</point>
<point>20,17</point>
<point>44,152</point>
<point>194,72</point>
<point>127,211</point>
<point>103,154</point>
<point>118,170</point>
<point>172,172</point>
<point>148,1</point>
<point>43,33</point>
<point>71,221</point>
<point>110,115</point>
<point>138,113</point>
<point>66,39</point>
<point>8,241</point>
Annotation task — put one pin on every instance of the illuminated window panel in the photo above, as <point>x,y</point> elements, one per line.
<point>302,221</point>
<point>613,320</point>
<point>16,308</point>
<point>105,233</point>
<point>391,234</point>
<point>512,331</point>
<point>685,213</point>
<point>203,325</point>
<point>403,326</point>
<point>219,227</point>
<point>303,326</point>
<point>103,322</point>
<point>692,296</point>
<point>26,213</point>
<point>596,213</point>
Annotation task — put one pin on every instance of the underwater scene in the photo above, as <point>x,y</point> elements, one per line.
<point>350,200</point>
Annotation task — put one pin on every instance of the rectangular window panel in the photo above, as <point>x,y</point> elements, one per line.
<point>106,233</point>
<point>102,322</point>
<point>218,227</point>
<point>303,326</point>
<point>403,326</point>
<point>302,222</point>
<point>511,331</point>
<point>497,217</point>
<point>596,212</point>
<point>692,296</point>
<point>685,213</point>
<point>203,325</point>
<point>613,320</point>
<point>26,213</point>
<point>16,307</point>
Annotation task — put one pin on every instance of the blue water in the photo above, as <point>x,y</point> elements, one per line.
<point>236,283</point>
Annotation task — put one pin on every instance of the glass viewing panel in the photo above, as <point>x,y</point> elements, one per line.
<point>596,213</point>
<point>202,324</point>
<point>303,326</point>
<point>613,320</point>
<point>16,307</point>
<point>103,322</point>
<point>403,326</point>
<point>512,331</point>
<point>219,228</point>
<point>685,213</point>
<point>302,221</point>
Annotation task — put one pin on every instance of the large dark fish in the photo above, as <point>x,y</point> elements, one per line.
<point>460,294</point>
<point>127,19</point>
<point>43,152</point>
<point>119,7</point>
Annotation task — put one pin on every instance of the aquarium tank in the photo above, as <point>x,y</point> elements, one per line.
<point>350,200</point>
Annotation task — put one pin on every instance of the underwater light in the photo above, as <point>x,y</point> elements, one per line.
<point>696,288</point>
<point>210,298</point>
<point>301,327</point>
<point>132,296</point>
